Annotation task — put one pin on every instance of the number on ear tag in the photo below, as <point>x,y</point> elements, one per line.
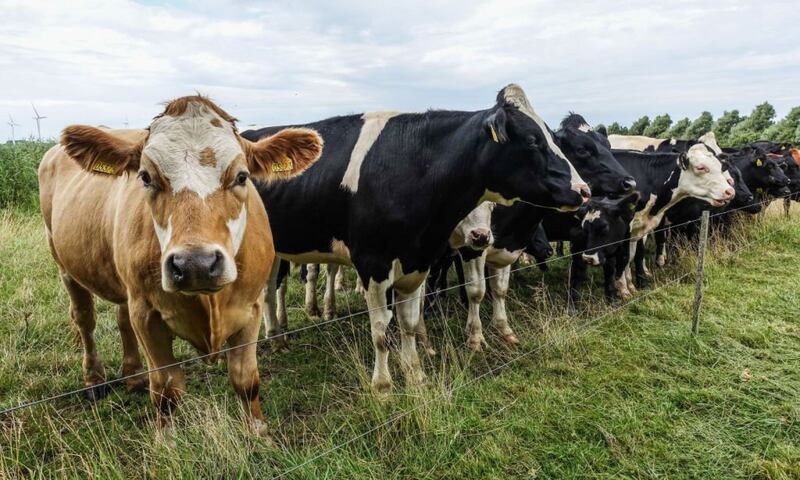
<point>285,165</point>
<point>102,167</point>
<point>494,134</point>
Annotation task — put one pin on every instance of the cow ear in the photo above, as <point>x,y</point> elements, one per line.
<point>285,154</point>
<point>100,151</point>
<point>495,126</point>
<point>683,160</point>
<point>601,129</point>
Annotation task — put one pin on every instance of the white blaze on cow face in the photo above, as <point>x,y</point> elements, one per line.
<point>163,234</point>
<point>590,217</point>
<point>475,230</point>
<point>515,96</point>
<point>704,178</point>
<point>191,151</point>
<point>370,130</point>
<point>236,227</point>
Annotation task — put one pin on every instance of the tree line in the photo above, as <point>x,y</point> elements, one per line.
<point>732,129</point>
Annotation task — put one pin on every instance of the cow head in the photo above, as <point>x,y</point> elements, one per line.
<point>744,199</point>
<point>590,153</point>
<point>701,176</point>
<point>539,247</point>
<point>521,161</point>
<point>475,230</point>
<point>766,171</point>
<point>195,171</point>
<point>605,224</point>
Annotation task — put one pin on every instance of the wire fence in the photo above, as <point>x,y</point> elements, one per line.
<point>52,398</point>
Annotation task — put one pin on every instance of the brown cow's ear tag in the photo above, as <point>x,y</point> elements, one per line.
<point>759,163</point>
<point>102,167</point>
<point>285,165</point>
<point>494,134</point>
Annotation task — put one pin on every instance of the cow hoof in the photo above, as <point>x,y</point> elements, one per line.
<point>136,385</point>
<point>96,393</point>
<point>312,312</point>
<point>642,283</point>
<point>429,351</point>
<point>382,388</point>
<point>328,316</point>
<point>511,339</point>
<point>661,261</point>
<point>476,343</point>
<point>260,429</point>
<point>280,344</point>
<point>416,377</point>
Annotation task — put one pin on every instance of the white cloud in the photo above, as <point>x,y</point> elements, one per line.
<point>91,61</point>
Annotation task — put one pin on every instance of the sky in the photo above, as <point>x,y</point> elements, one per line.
<point>114,62</point>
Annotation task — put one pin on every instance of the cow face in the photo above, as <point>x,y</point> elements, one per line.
<point>701,176</point>
<point>767,172</point>
<point>605,225</point>
<point>594,161</point>
<point>521,161</point>
<point>195,172</point>
<point>790,168</point>
<point>744,199</point>
<point>475,230</point>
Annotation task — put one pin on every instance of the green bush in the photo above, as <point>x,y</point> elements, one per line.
<point>18,184</point>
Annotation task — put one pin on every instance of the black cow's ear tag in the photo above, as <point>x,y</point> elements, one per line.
<point>759,163</point>
<point>103,167</point>
<point>632,206</point>
<point>285,165</point>
<point>494,134</point>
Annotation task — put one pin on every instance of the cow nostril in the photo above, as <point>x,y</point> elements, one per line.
<point>175,266</point>
<point>629,184</point>
<point>729,193</point>
<point>215,270</point>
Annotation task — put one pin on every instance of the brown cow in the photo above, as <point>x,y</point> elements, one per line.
<point>165,223</point>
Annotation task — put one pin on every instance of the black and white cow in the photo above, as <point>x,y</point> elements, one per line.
<point>663,180</point>
<point>390,188</point>
<point>515,225</point>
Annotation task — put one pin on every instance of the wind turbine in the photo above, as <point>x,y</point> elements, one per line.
<point>12,124</point>
<point>37,118</point>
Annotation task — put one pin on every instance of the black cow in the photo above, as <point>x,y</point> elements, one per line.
<point>389,189</point>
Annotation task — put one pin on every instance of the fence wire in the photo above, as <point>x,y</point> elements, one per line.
<point>107,383</point>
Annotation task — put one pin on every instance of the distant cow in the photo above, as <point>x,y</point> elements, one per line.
<point>390,188</point>
<point>166,224</point>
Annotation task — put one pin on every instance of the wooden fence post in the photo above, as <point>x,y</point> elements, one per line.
<point>701,266</point>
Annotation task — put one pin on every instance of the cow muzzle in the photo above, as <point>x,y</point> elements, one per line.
<point>479,238</point>
<point>196,270</point>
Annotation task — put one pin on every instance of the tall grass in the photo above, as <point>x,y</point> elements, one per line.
<point>19,187</point>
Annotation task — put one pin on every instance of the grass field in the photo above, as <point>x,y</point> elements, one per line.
<point>611,393</point>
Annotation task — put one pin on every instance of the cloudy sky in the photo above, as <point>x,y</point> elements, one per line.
<point>114,61</point>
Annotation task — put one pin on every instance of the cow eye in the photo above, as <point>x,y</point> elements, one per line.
<point>147,180</point>
<point>241,178</point>
<point>583,152</point>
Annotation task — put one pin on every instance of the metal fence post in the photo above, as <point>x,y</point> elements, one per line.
<point>701,266</point>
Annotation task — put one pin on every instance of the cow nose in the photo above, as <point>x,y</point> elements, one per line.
<point>585,191</point>
<point>195,269</point>
<point>729,193</point>
<point>628,184</point>
<point>479,237</point>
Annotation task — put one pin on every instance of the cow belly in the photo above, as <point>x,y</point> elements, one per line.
<point>501,257</point>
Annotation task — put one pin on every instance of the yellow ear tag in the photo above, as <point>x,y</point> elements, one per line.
<point>494,134</point>
<point>285,165</point>
<point>759,163</point>
<point>632,206</point>
<point>102,167</point>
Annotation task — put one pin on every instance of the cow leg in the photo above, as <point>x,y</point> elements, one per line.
<point>167,381</point>
<point>498,281</point>
<point>609,284</point>
<point>422,331</point>
<point>131,361</point>
<point>280,307</point>
<point>243,371</point>
<point>272,325</point>
<point>408,305</point>
<point>329,302</point>
<point>359,288</point>
<point>379,318</point>
<point>560,248</point>
<point>81,311</point>
<point>339,283</point>
<point>475,285</point>
<point>638,259</point>
<point>577,275</point>
<point>661,247</point>
<point>312,310</point>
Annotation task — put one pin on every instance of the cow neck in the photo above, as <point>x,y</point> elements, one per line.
<point>514,225</point>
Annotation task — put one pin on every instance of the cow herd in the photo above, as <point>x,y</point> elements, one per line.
<point>179,224</point>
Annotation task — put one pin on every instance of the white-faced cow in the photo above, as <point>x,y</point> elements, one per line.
<point>166,224</point>
<point>663,180</point>
<point>390,188</point>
